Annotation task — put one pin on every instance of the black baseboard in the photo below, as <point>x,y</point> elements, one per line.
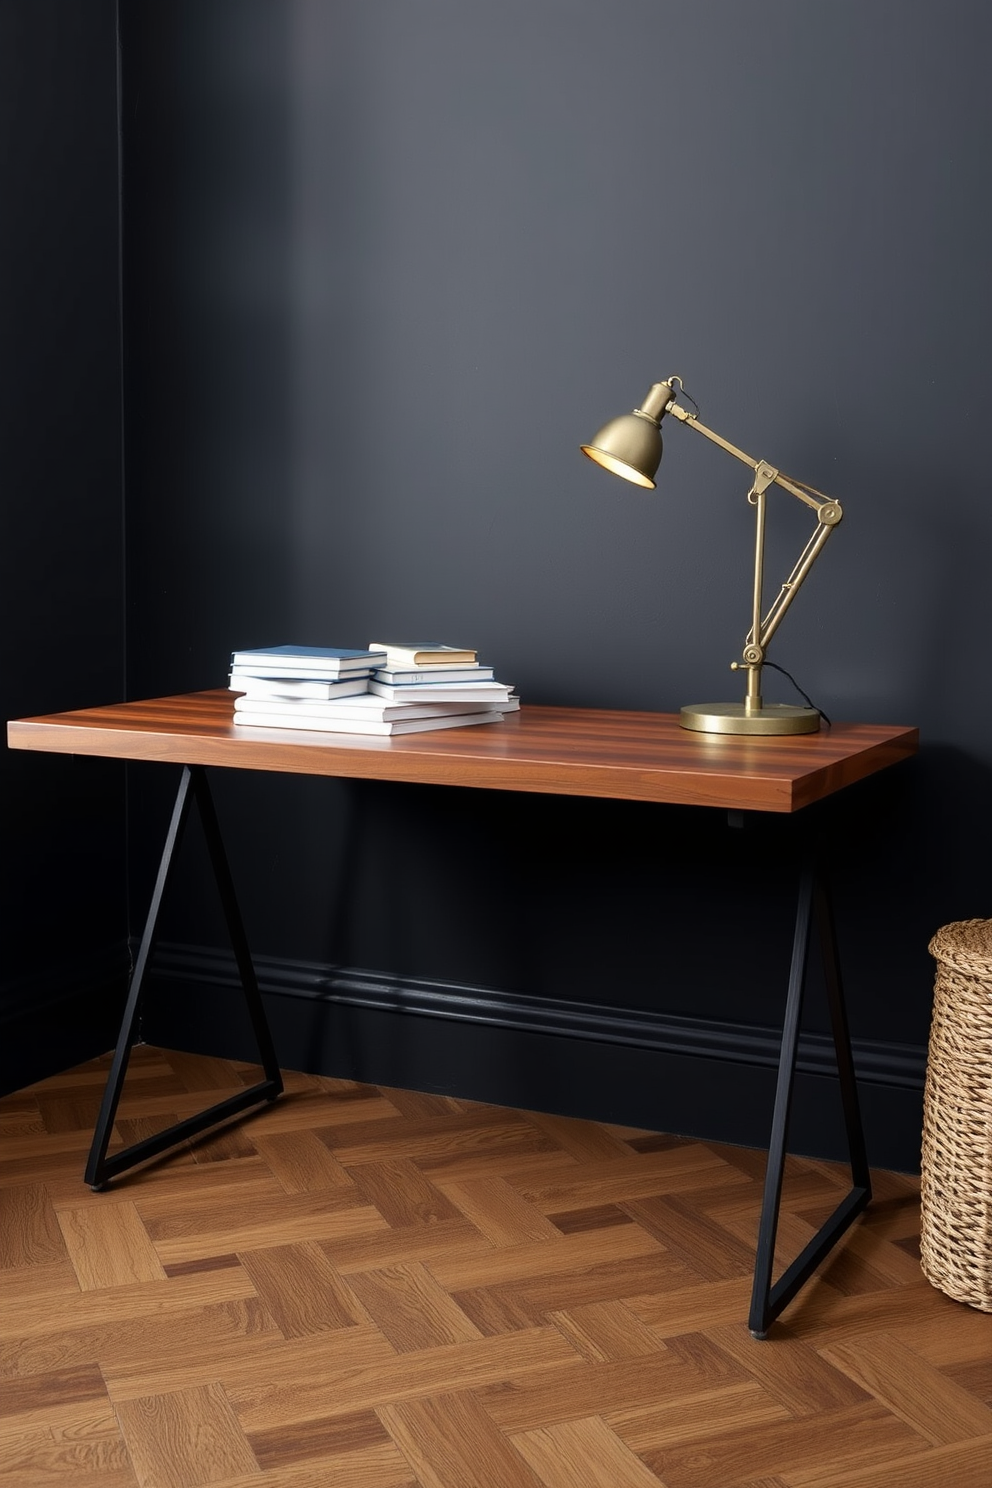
<point>677,1074</point>
<point>61,1017</point>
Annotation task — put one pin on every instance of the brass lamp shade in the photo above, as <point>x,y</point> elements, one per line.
<point>629,446</point>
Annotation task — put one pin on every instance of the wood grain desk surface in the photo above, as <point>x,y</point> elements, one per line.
<point>552,751</point>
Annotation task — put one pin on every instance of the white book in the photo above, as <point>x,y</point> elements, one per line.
<point>420,653</point>
<point>327,724</point>
<point>364,705</point>
<point>440,692</point>
<point>292,688</point>
<point>469,673</point>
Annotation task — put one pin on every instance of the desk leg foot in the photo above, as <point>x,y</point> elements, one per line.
<point>768,1301</point>
<point>100,1169</point>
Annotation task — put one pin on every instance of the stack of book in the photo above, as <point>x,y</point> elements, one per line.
<point>351,691</point>
<point>432,673</point>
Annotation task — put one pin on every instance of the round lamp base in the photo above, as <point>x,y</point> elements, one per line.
<point>734,718</point>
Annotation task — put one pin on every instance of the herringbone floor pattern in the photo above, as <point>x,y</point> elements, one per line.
<point>374,1288</point>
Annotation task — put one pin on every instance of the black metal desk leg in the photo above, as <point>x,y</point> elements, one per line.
<point>101,1168</point>
<point>768,1301</point>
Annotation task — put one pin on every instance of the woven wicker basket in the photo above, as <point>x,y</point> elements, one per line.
<point>956,1190</point>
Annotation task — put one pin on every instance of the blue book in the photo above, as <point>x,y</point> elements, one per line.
<point>302,661</point>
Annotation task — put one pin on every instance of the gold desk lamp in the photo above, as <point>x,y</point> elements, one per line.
<point>630,446</point>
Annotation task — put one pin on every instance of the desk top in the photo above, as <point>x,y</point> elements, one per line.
<point>552,751</point>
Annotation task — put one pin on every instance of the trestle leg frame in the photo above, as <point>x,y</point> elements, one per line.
<point>100,1168</point>
<point>767,1299</point>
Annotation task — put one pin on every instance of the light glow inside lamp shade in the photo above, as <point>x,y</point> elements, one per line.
<point>630,446</point>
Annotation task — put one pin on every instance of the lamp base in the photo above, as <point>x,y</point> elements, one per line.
<point>734,718</point>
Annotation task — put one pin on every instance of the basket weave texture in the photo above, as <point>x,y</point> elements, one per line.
<point>956,1187</point>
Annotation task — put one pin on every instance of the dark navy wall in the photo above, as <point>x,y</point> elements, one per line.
<point>61,553</point>
<point>386,265</point>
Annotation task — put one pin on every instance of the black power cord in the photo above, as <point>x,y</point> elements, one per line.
<point>807,700</point>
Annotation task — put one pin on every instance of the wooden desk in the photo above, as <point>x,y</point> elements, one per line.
<point>559,751</point>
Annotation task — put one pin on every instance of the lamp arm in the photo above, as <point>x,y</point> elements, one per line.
<point>807,494</point>
<point>828,513</point>
<point>787,593</point>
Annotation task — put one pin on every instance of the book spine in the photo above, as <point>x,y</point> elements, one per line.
<point>444,692</point>
<point>400,676</point>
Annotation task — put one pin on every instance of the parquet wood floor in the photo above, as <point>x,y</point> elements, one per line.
<point>376,1288</point>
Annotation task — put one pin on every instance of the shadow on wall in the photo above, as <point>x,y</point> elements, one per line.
<point>907,853</point>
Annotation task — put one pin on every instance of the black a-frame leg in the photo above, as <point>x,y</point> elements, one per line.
<point>101,1168</point>
<point>768,1300</point>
